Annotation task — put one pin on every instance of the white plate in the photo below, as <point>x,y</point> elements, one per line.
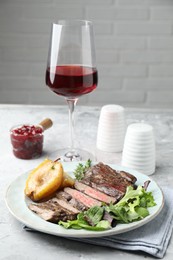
<point>17,205</point>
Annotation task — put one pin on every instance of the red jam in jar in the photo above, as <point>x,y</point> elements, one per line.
<point>27,141</point>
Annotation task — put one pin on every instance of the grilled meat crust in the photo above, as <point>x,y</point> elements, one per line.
<point>102,177</point>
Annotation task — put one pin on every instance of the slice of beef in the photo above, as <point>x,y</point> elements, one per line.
<point>63,195</point>
<point>109,181</point>
<point>64,204</point>
<point>78,204</point>
<point>127,176</point>
<point>51,212</point>
<point>86,200</point>
<point>67,197</point>
<point>93,192</point>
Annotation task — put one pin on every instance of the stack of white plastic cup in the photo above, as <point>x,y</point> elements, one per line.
<point>139,148</point>
<point>111,129</point>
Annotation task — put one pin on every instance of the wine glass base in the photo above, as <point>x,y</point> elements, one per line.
<point>73,156</point>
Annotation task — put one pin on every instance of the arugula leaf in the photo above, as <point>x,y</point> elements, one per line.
<point>81,169</point>
<point>133,206</point>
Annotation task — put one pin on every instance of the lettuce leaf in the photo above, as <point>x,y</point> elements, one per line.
<point>133,206</point>
<point>90,220</point>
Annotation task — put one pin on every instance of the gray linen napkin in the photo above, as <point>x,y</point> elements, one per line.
<point>152,238</point>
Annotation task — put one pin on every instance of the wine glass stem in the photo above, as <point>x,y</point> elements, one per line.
<point>71,105</point>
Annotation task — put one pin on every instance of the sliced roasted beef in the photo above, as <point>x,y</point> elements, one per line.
<point>63,195</point>
<point>72,201</point>
<point>78,204</point>
<point>109,181</point>
<point>52,212</point>
<point>86,200</point>
<point>93,192</point>
<point>131,178</point>
<point>64,204</point>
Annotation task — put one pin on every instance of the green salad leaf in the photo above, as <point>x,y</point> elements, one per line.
<point>90,220</point>
<point>133,206</point>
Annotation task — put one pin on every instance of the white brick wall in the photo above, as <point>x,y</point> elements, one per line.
<point>134,47</point>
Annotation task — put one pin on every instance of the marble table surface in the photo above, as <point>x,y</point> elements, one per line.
<point>15,243</point>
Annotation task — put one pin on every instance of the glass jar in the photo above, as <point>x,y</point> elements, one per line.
<point>27,141</point>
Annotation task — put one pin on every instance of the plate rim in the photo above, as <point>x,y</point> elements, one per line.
<point>61,231</point>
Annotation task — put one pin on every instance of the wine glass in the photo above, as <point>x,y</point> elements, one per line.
<point>71,71</point>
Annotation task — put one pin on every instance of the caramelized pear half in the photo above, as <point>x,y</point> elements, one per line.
<point>44,180</point>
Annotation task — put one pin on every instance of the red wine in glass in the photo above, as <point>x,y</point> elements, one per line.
<point>71,72</point>
<point>71,80</point>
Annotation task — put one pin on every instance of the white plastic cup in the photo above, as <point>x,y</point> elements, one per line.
<point>111,129</point>
<point>139,148</point>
